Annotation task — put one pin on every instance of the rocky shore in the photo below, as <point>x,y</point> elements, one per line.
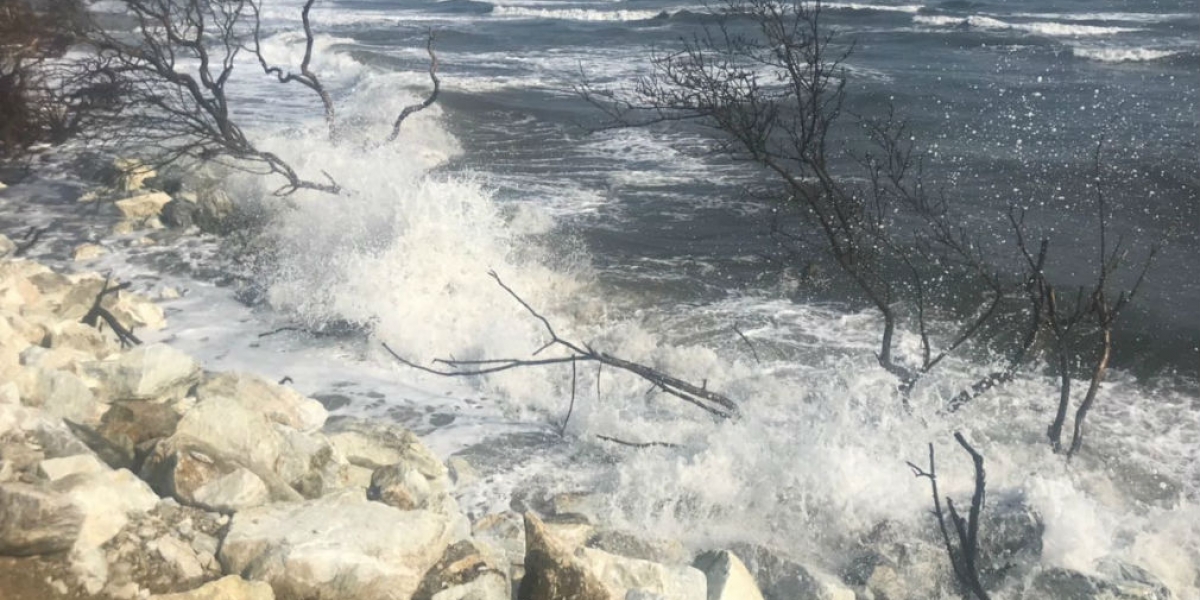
<point>130,471</point>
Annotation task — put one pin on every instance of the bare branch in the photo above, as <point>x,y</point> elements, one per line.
<point>429,100</point>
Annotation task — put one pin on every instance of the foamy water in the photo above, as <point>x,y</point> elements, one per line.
<point>818,458</point>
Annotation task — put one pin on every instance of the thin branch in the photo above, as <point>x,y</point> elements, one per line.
<point>429,100</point>
<point>637,444</point>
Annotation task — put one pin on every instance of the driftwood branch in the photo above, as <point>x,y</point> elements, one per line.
<point>98,312</point>
<point>714,403</point>
<point>307,77</point>
<point>964,557</point>
<point>429,100</point>
<point>32,236</point>
<point>629,444</point>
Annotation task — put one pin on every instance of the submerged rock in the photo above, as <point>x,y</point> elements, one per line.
<point>143,206</point>
<point>1010,538</point>
<point>339,546</point>
<point>728,577</point>
<point>781,578</point>
<point>1065,584</point>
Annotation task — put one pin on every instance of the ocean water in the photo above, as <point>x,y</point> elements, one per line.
<point>647,245</point>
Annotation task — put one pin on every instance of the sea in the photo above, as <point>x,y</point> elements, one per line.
<point>653,245</point>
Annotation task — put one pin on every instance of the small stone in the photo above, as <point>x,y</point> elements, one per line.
<point>143,206</point>
<point>168,293</point>
<point>88,252</point>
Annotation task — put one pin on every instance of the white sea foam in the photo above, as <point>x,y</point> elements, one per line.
<point>574,14</point>
<point>1118,55</point>
<point>1047,28</point>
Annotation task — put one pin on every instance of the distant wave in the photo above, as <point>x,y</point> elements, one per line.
<point>1040,28</point>
<point>1127,17</point>
<point>904,8</point>
<point>577,14</point>
<point>1118,55</point>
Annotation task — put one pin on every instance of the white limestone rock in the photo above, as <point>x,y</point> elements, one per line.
<point>338,546</point>
<point>230,587</point>
<point>85,252</point>
<point>147,372</point>
<point>278,403</point>
<point>36,521</point>
<point>53,469</point>
<point>728,577</point>
<point>669,582</point>
<point>143,206</point>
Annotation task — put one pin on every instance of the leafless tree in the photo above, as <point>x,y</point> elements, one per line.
<point>775,96</point>
<point>963,556</point>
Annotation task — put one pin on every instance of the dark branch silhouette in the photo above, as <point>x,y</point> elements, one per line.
<point>97,312</point>
<point>429,100</point>
<point>963,558</point>
<point>714,403</point>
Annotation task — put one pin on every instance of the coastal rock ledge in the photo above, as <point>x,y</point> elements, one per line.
<point>133,473</point>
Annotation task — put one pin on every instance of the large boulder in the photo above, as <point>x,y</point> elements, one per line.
<point>278,403</point>
<point>553,572</point>
<point>130,425</point>
<point>647,579</point>
<point>338,546</point>
<point>373,445</point>
<point>231,587</point>
<point>78,336</point>
<point>59,394</point>
<point>106,499</point>
<point>36,521</point>
<point>145,373</point>
<point>198,474</point>
<point>728,577</point>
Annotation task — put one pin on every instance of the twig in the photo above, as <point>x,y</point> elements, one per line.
<point>748,343</point>
<point>279,330</point>
<point>437,86</point>
<point>29,240</point>
<point>637,444</point>
<point>562,431</point>
<point>97,312</point>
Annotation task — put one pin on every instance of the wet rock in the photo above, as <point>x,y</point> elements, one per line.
<point>7,246</point>
<point>1010,538</point>
<point>624,575</point>
<point>129,174</point>
<point>1065,584</point>
<point>142,206</point>
<point>231,587</point>
<point>506,532</point>
<point>178,214</point>
<point>36,521</point>
<point>552,571</point>
<point>465,563</point>
<point>84,252</point>
<point>338,546</point>
<point>1133,580</point>
<point>460,471</point>
<point>278,403</point>
<point>135,311</point>
<point>629,544</point>
<point>781,578</point>
<point>728,578</point>
<point>147,372</point>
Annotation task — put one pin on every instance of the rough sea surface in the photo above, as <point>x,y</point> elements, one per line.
<point>647,245</point>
